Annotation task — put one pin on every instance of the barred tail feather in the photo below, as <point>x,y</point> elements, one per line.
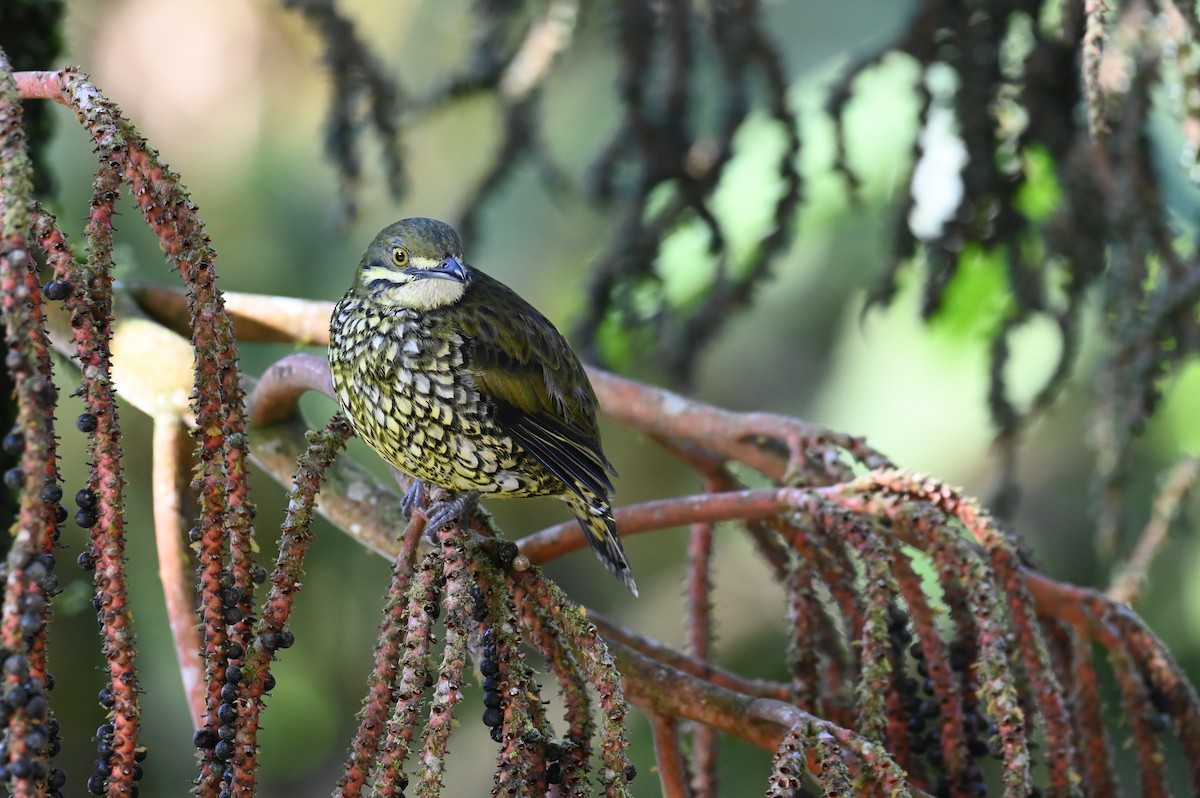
<point>601,533</point>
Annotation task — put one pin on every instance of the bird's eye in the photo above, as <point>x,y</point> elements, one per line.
<point>400,256</point>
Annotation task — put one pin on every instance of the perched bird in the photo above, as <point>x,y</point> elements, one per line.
<point>455,380</point>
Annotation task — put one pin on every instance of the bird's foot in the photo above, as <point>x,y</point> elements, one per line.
<point>455,509</point>
<point>416,496</point>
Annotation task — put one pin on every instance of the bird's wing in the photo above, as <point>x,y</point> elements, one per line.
<point>543,399</point>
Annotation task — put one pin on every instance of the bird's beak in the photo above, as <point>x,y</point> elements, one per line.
<point>450,269</point>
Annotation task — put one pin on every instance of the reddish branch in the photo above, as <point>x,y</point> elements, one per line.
<point>30,581</point>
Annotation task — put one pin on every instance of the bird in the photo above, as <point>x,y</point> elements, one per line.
<point>455,380</point>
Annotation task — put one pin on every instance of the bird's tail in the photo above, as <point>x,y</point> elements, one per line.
<point>600,529</point>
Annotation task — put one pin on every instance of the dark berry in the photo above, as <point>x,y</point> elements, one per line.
<point>229,694</point>
<point>479,613</point>
<point>194,535</point>
<point>36,738</point>
<point>16,665</point>
<point>268,682</point>
<point>37,707</point>
<point>497,734</point>
<point>105,731</point>
<point>52,492</point>
<point>223,750</point>
<point>100,766</point>
<point>554,751</point>
<point>230,596</point>
<point>233,674</point>
<point>630,773</point>
<point>97,785</point>
<point>86,518</point>
<point>234,650</point>
<point>492,699</point>
<point>60,514</point>
<point>204,738</point>
<point>493,716</point>
<point>491,682</point>
<point>86,560</point>
<point>13,443</point>
<point>554,773</point>
<point>86,498</point>
<point>57,290</point>
<point>234,615</point>
<point>106,697</point>
<point>30,622</point>
<point>227,712</point>
<point>138,771</point>
<point>286,639</point>
<point>258,574</point>
<point>86,422</point>
<point>140,753</point>
<point>226,732</point>
<point>506,552</point>
<point>489,667</point>
<point>57,779</point>
<point>14,478</point>
<point>104,748</point>
<point>16,696</point>
<point>48,583</point>
<point>491,651</point>
<point>20,769</point>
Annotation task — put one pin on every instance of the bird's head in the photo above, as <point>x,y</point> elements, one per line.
<point>414,263</point>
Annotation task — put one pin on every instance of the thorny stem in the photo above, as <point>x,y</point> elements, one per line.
<point>29,582</point>
<point>447,689</point>
<point>389,651</point>
<point>295,536</point>
<point>1129,583</point>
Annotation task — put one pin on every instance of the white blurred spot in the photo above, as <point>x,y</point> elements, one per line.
<point>937,186</point>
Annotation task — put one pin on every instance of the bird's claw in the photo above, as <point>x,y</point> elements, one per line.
<point>442,513</point>
<point>414,497</point>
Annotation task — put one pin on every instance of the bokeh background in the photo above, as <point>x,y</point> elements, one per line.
<point>233,95</point>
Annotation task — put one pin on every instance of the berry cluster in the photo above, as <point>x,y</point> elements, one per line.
<point>493,699</point>
<point>222,741</point>
<point>919,702</point>
<point>97,783</point>
<point>25,693</point>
